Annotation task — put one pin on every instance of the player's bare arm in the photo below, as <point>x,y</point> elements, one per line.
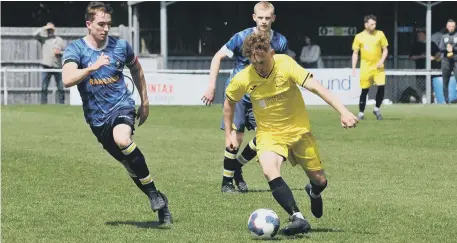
<point>355,58</point>
<point>348,120</point>
<point>71,75</point>
<point>385,52</point>
<point>229,111</point>
<point>209,95</point>
<point>138,78</point>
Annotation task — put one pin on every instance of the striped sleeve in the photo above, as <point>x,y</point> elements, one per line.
<point>235,43</point>
<point>130,59</point>
<point>71,54</point>
<point>298,74</point>
<point>283,45</point>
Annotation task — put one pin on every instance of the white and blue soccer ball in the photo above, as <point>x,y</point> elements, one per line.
<point>263,223</point>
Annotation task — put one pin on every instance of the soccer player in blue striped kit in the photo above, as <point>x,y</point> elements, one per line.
<point>244,118</point>
<point>95,64</point>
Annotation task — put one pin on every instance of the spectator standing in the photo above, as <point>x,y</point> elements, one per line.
<point>310,54</point>
<point>448,48</point>
<point>52,48</point>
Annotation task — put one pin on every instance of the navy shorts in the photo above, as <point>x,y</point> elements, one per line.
<point>243,118</point>
<point>104,133</point>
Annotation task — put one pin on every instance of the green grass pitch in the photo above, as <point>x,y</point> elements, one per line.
<point>389,181</point>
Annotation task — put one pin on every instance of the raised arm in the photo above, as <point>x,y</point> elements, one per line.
<point>37,34</point>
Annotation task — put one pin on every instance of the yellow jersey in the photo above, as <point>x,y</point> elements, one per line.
<point>277,102</point>
<point>370,46</point>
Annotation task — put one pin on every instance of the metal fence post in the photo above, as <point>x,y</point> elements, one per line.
<point>5,87</point>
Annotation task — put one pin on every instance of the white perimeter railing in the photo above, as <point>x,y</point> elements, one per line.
<point>392,72</point>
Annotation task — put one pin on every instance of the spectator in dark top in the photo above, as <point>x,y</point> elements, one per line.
<point>419,50</point>
<point>448,49</point>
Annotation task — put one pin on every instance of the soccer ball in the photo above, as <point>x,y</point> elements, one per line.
<point>263,223</point>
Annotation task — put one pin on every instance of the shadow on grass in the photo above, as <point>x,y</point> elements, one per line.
<point>331,230</point>
<point>268,190</point>
<point>326,230</point>
<point>392,118</point>
<point>144,224</point>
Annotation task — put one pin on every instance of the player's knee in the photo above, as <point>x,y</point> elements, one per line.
<point>270,172</point>
<point>320,181</point>
<point>121,135</point>
<point>123,141</point>
<point>318,177</point>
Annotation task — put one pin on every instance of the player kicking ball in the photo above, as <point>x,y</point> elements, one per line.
<point>95,64</point>
<point>283,128</point>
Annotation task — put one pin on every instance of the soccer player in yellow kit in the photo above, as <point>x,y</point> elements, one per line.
<point>283,128</point>
<point>372,45</point>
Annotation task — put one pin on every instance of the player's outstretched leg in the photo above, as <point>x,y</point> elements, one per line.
<point>379,98</point>
<point>362,103</point>
<point>249,152</point>
<point>317,184</point>
<point>271,162</point>
<point>137,165</point>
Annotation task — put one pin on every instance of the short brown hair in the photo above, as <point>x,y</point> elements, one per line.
<point>94,7</point>
<point>368,17</point>
<point>256,43</point>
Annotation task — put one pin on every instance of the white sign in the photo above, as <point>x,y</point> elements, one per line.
<point>337,31</point>
<point>187,89</point>
<point>339,81</point>
<point>165,89</point>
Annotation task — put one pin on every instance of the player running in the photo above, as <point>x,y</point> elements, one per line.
<point>95,63</point>
<point>263,16</point>
<point>283,128</point>
<point>370,43</point>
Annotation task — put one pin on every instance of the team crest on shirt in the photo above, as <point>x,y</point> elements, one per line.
<point>280,82</point>
<point>455,39</point>
<point>118,65</point>
<point>446,40</point>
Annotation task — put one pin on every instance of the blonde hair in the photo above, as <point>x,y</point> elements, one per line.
<point>264,5</point>
<point>256,43</point>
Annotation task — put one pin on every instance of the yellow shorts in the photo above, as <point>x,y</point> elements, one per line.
<point>368,76</point>
<point>304,151</point>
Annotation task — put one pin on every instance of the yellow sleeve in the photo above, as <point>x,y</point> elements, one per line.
<point>236,89</point>
<point>384,42</point>
<point>298,74</point>
<point>356,43</point>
